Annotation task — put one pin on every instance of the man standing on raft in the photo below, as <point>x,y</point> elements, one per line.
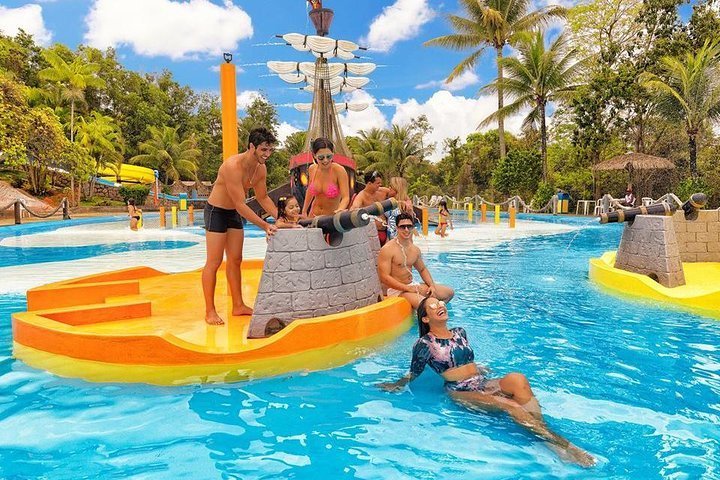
<point>224,215</point>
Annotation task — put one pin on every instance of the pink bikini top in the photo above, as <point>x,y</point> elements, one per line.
<point>332,190</point>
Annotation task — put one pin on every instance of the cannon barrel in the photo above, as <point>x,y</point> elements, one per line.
<point>628,215</point>
<point>347,220</point>
<point>696,202</point>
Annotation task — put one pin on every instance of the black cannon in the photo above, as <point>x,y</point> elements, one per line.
<point>629,214</point>
<point>696,202</point>
<point>347,220</point>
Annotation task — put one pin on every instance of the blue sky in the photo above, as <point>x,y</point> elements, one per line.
<point>188,38</point>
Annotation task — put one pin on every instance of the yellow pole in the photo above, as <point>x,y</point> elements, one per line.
<point>497,214</point>
<point>425,221</point>
<point>511,212</point>
<point>483,212</point>
<point>191,215</point>
<point>163,221</point>
<point>174,217</point>
<point>470,212</point>
<point>228,100</point>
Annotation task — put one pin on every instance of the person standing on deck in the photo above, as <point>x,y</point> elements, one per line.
<point>224,214</point>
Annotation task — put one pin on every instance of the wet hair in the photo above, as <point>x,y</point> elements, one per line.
<point>443,205</point>
<point>320,143</point>
<point>404,216</point>
<point>261,135</point>
<point>372,176</point>
<point>281,204</point>
<point>131,201</point>
<point>423,328</point>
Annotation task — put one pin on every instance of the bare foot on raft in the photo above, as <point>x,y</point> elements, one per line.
<point>242,310</point>
<point>213,319</point>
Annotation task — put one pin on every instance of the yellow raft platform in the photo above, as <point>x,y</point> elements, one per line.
<point>700,294</point>
<point>142,325</point>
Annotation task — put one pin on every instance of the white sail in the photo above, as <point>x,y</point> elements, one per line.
<point>344,54</point>
<point>303,107</point>
<point>293,77</point>
<point>320,44</point>
<point>347,45</point>
<point>283,67</point>
<point>333,91</point>
<point>333,82</point>
<point>295,38</point>
<point>360,68</point>
<point>333,69</point>
<point>357,82</point>
<point>357,107</point>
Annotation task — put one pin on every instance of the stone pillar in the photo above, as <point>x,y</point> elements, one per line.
<point>304,277</point>
<point>649,246</point>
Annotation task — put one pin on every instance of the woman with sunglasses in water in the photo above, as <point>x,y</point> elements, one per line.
<point>328,189</point>
<point>448,352</point>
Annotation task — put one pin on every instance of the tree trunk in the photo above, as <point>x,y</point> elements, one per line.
<point>543,141</point>
<point>72,121</point>
<point>501,103</point>
<point>692,144</point>
<point>72,190</point>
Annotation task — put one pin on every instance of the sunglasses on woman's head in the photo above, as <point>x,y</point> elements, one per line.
<point>439,303</point>
<point>321,158</point>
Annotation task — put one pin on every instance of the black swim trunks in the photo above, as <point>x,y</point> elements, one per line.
<point>218,219</point>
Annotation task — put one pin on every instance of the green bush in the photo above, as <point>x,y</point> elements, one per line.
<point>518,173</point>
<point>693,185</point>
<point>137,192</point>
<point>542,195</point>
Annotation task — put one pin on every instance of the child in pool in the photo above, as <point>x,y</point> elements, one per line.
<point>288,213</point>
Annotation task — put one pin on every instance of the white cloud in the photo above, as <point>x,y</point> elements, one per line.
<point>284,130</point>
<point>464,80</point>
<point>451,116</point>
<point>246,97</point>
<point>29,18</point>
<point>371,117</point>
<point>179,30</point>
<point>400,21</point>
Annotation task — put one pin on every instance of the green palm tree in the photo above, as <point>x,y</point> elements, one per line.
<point>492,23</point>
<point>537,76</point>
<point>171,157</point>
<point>404,148</point>
<point>687,90</point>
<point>74,77</point>
<point>369,148</point>
<point>102,139</point>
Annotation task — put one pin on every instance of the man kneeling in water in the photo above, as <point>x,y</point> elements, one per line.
<point>395,261</point>
<point>448,352</point>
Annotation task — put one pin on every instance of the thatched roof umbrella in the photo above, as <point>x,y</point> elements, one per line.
<point>634,161</point>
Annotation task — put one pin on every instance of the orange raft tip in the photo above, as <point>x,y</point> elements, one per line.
<point>142,325</point>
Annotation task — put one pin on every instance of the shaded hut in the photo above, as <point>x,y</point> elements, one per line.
<point>644,171</point>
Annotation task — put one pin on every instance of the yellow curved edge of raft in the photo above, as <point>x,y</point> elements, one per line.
<point>700,294</point>
<point>142,325</point>
<point>129,174</point>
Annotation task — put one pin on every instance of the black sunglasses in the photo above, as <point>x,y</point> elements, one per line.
<point>405,227</point>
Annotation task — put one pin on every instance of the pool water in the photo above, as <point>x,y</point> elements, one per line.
<point>636,385</point>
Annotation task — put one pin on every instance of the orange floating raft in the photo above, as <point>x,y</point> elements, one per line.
<point>142,325</point>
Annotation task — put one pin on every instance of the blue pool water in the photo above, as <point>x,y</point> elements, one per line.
<point>636,385</point>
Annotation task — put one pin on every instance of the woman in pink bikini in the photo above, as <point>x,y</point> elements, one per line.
<point>328,190</point>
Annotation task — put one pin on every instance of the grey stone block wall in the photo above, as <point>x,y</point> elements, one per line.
<point>305,277</point>
<point>699,239</point>
<point>649,246</point>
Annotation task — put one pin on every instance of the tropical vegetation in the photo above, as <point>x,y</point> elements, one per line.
<point>603,78</point>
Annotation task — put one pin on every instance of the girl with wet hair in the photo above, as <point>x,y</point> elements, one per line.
<point>447,351</point>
